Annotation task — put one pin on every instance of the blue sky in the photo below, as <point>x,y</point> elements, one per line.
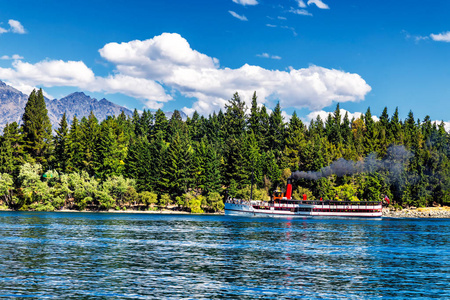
<point>193,55</point>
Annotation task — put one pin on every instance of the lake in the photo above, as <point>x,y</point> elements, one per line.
<point>154,256</point>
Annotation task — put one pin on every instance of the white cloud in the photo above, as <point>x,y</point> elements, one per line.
<point>3,30</point>
<point>246,2</point>
<point>318,3</point>
<point>267,55</point>
<point>27,89</point>
<point>242,18</point>
<point>25,77</point>
<point>196,75</point>
<point>302,12</point>
<point>271,25</point>
<point>446,124</point>
<point>49,73</point>
<point>301,3</point>
<point>441,37</point>
<point>144,69</point>
<point>281,18</point>
<point>16,27</point>
<point>14,57</point>
<point>139,88</point>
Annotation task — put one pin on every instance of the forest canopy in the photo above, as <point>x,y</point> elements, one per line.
<point>148,161</point>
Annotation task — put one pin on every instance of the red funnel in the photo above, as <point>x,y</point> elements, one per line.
<point>289,190</point>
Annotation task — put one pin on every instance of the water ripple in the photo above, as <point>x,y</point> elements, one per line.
<point>126,256</point>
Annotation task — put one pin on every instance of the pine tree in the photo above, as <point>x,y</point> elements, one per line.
<point>160,124</point>
<point>254,122</point>
<point>12,153</point>
<point>90,130</point>
<point>294,144</point>
<point>235,118</point>
<point>37,128</point>
<point>75,148</point>
<point>111,149</point>
<point>276,130</point>
<point>60,140</point>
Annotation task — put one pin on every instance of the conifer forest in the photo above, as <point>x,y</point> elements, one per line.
<point>149,162</point>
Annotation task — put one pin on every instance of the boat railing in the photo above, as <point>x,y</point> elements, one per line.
<point>238,201</point>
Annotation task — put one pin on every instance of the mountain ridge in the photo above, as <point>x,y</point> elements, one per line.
<point>13,101</point>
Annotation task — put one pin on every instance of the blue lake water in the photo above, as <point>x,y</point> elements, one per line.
<point>152,256</point>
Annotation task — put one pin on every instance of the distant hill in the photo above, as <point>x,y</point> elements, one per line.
<point>12,104</point>
<point>81,105</point>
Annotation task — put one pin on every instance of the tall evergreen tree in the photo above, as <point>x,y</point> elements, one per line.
<point>90,130</point>
<point>276,130</point>
<point>37,128</point>
<point>235,117</point>
<point>61,146</point>
<point>12,152</point>
<point>75,147</point>
<point>255,116</point>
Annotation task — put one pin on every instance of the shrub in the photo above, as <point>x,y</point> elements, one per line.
<point>215,201</point>
<point>148,198</point>
<point>300,191</point>
<point>164,200</point>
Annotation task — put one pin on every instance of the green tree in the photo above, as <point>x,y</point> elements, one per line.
<point>61,145</point>
<point>235,118</point>
<point>75,148</point>
<point>37,128</point>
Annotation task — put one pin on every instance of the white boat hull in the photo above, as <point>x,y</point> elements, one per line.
<point>308,209</point>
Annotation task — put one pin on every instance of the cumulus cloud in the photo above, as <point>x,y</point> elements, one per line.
<point>267,55</point>
<point>246,2</point>
<point>170,60</point>
<point>318,3</point>
<point>3,30</point>
<point>16,27</point>
<point>139,88</point>
<point>441,37</point>
<point>49,73</point>
<point>242,18</point>
<point>144,69</point>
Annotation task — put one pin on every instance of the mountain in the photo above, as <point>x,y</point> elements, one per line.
<point>12,104</point>
<point>81,105</point>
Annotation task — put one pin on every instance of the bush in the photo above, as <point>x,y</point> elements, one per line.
<point>42,207</point>
<point>105,200</point>
<point>57,202</point>
<point>164,200</point>
<point>300,191</point>
<point>148,198</point>
<point>258,194</point>
<point>215,201</point>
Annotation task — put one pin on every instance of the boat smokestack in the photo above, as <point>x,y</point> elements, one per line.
<point>289,189</point>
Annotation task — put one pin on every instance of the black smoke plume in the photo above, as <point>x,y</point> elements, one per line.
<point>394,162</point>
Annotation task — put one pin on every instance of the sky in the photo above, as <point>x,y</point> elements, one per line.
<point>308,55</point>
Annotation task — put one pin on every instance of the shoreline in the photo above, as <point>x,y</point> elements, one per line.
<point>421,212</point>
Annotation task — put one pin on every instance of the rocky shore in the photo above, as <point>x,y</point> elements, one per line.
<point>422,212</point>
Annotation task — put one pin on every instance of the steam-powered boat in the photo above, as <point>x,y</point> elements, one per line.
<point>284,206</point>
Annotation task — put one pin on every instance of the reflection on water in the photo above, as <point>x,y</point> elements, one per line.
<point>82,255</point>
